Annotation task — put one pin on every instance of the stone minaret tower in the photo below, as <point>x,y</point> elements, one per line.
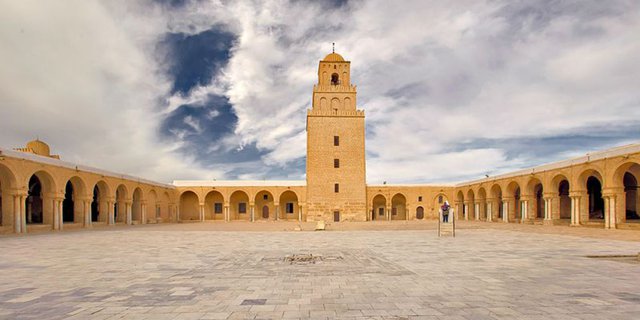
<point>336,179</point>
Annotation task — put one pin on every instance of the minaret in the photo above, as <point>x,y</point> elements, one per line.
<point>336,179</point>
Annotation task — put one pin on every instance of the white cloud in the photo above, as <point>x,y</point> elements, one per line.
<point>431,75</point>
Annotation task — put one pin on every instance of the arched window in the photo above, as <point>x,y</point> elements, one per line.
<point>440,199</point>
<point>335,79</point>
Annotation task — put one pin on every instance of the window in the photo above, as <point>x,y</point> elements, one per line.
<point>265,197</point>
<point>217,207</point>
<point>336,188</point>
<point>336,216</point>
<point>335,79</point>
<point>336,163</point>
<point>440,199</point>
<point>242,207</point>
<point>419,198</point>
<point>336,141</point>
<point>289,208</point>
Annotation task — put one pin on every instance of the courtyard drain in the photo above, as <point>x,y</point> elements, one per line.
<point>309,258</point>
<point>627,258</point>
<point>253,302</point>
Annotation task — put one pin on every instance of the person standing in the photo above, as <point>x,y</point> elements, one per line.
<point>445,210</point>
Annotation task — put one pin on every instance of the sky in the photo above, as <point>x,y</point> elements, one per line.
<point>200,90</point>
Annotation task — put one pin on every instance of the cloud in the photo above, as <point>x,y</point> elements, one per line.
<point>209,89</point>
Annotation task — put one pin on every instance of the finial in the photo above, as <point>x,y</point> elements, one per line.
<point>334,47</point>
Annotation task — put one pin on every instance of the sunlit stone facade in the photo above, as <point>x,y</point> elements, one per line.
<point>41,192</point>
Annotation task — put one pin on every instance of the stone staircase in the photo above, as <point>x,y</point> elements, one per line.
<point>446,230</point>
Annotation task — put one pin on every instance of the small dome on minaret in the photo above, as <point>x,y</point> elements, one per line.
<point>334,57</point>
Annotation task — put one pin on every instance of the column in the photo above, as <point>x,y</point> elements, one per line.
<point>299,212</point>
<point>388,209</point>
<point>505,210</point>
<point>86,207</point>
<point>476,211</point>
<point>489,210</point>
<point>143,213</point>
<point>128,218</point>
<point>111,219</point>
<point>466,210</point>
<point>547,208</point>
<point>575,209</point>
<point>201,215</point>
<point>177,213</point>
<point>610,219</point>
<point>524,210</point>
<point>277,205</point>
<point>227,218</point>
<point>252,211</point>
<point>19,213</point>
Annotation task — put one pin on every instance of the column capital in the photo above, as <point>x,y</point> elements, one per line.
<point>549,195</point>
<point>612,191</point>
<point>575,194</point>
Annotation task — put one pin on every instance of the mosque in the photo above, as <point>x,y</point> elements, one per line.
<point>41,192</point>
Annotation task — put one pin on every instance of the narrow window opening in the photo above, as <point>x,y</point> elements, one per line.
<point>419,198</point>
<point>265,197</point>
<point>335,79</point>
<point>336,141</point>
<point>336,163</point>
<point>336,188</point>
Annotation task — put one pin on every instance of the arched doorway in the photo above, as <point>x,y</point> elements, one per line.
<point>120,206</point>
<point>152,207</point>
<point>189,206</point>
<point>136,206</point>
<point>95,204</point>
<point>460,209</point>
<point>289,205</point>
<point>99,203</point>
<point>67,204</point>
<point>265,204</point>
<point>34,203</point>
<point>419,213</point>
<point>398,207</point>
<point>632,201</point>
<point>596,203</point>
<point>497,207</point>
<point>379,204</point>
<point>214,206</point>
<point>239,206</point>
<point>564,199</point>
<point>539,202</point>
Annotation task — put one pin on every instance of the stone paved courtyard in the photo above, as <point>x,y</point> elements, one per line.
<point>187,272</point>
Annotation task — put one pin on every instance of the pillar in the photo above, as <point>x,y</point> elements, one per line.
<point>128,218</point>
<point>111,219</point>
<point>524,209</point>
<point>575,208</point>
<point>227,218</point>
<point>476,211</point>
<point>388,212</point>
<point>201,214</point>
<point>299,212</point>
<point>143,213</point>
<point>86,207</point>
<point>19,213</point>
<point>505,210</point>
<point>547,208</point>
<point>466,210</point>
<point>252,211</point>
<point>277,205</point>
<point>489,210</point>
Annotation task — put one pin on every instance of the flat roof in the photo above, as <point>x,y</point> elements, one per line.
<point>239,183</point>
<point>73,166</point>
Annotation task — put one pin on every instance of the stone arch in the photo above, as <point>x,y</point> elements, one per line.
<point>100,202</point>
<point>239,206</point>
<point>265,204</point>
<point>324,105</point>
<point>289,204</point>
<point>7,184</point>
<point>152,206</point>
<point>214,205</point>
<point>347,103</point>
<point>460,209</point>
<point>39,205</point>
<point>399,207</point>
<point>495,193</point>
<point>514,207</point>
<point>470,207</point>
<point>72,205</point>
<point>626,178</point>
<point>561,187</point>
<point>535,190</point>
<point>136,205</point>
<point>591,183</point>
<point>335,104</point>
<point>379,207</point>
<point>189,206</point>
<point>120,205</point>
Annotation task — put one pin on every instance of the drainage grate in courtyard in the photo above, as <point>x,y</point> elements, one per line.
<point>309,258</point>
<point>253,302</point>
<point>627,258</point>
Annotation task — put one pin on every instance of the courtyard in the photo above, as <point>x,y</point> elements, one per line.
<point>243,271</point>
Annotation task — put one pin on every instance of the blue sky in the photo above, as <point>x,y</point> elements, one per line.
<point>219,89</point>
